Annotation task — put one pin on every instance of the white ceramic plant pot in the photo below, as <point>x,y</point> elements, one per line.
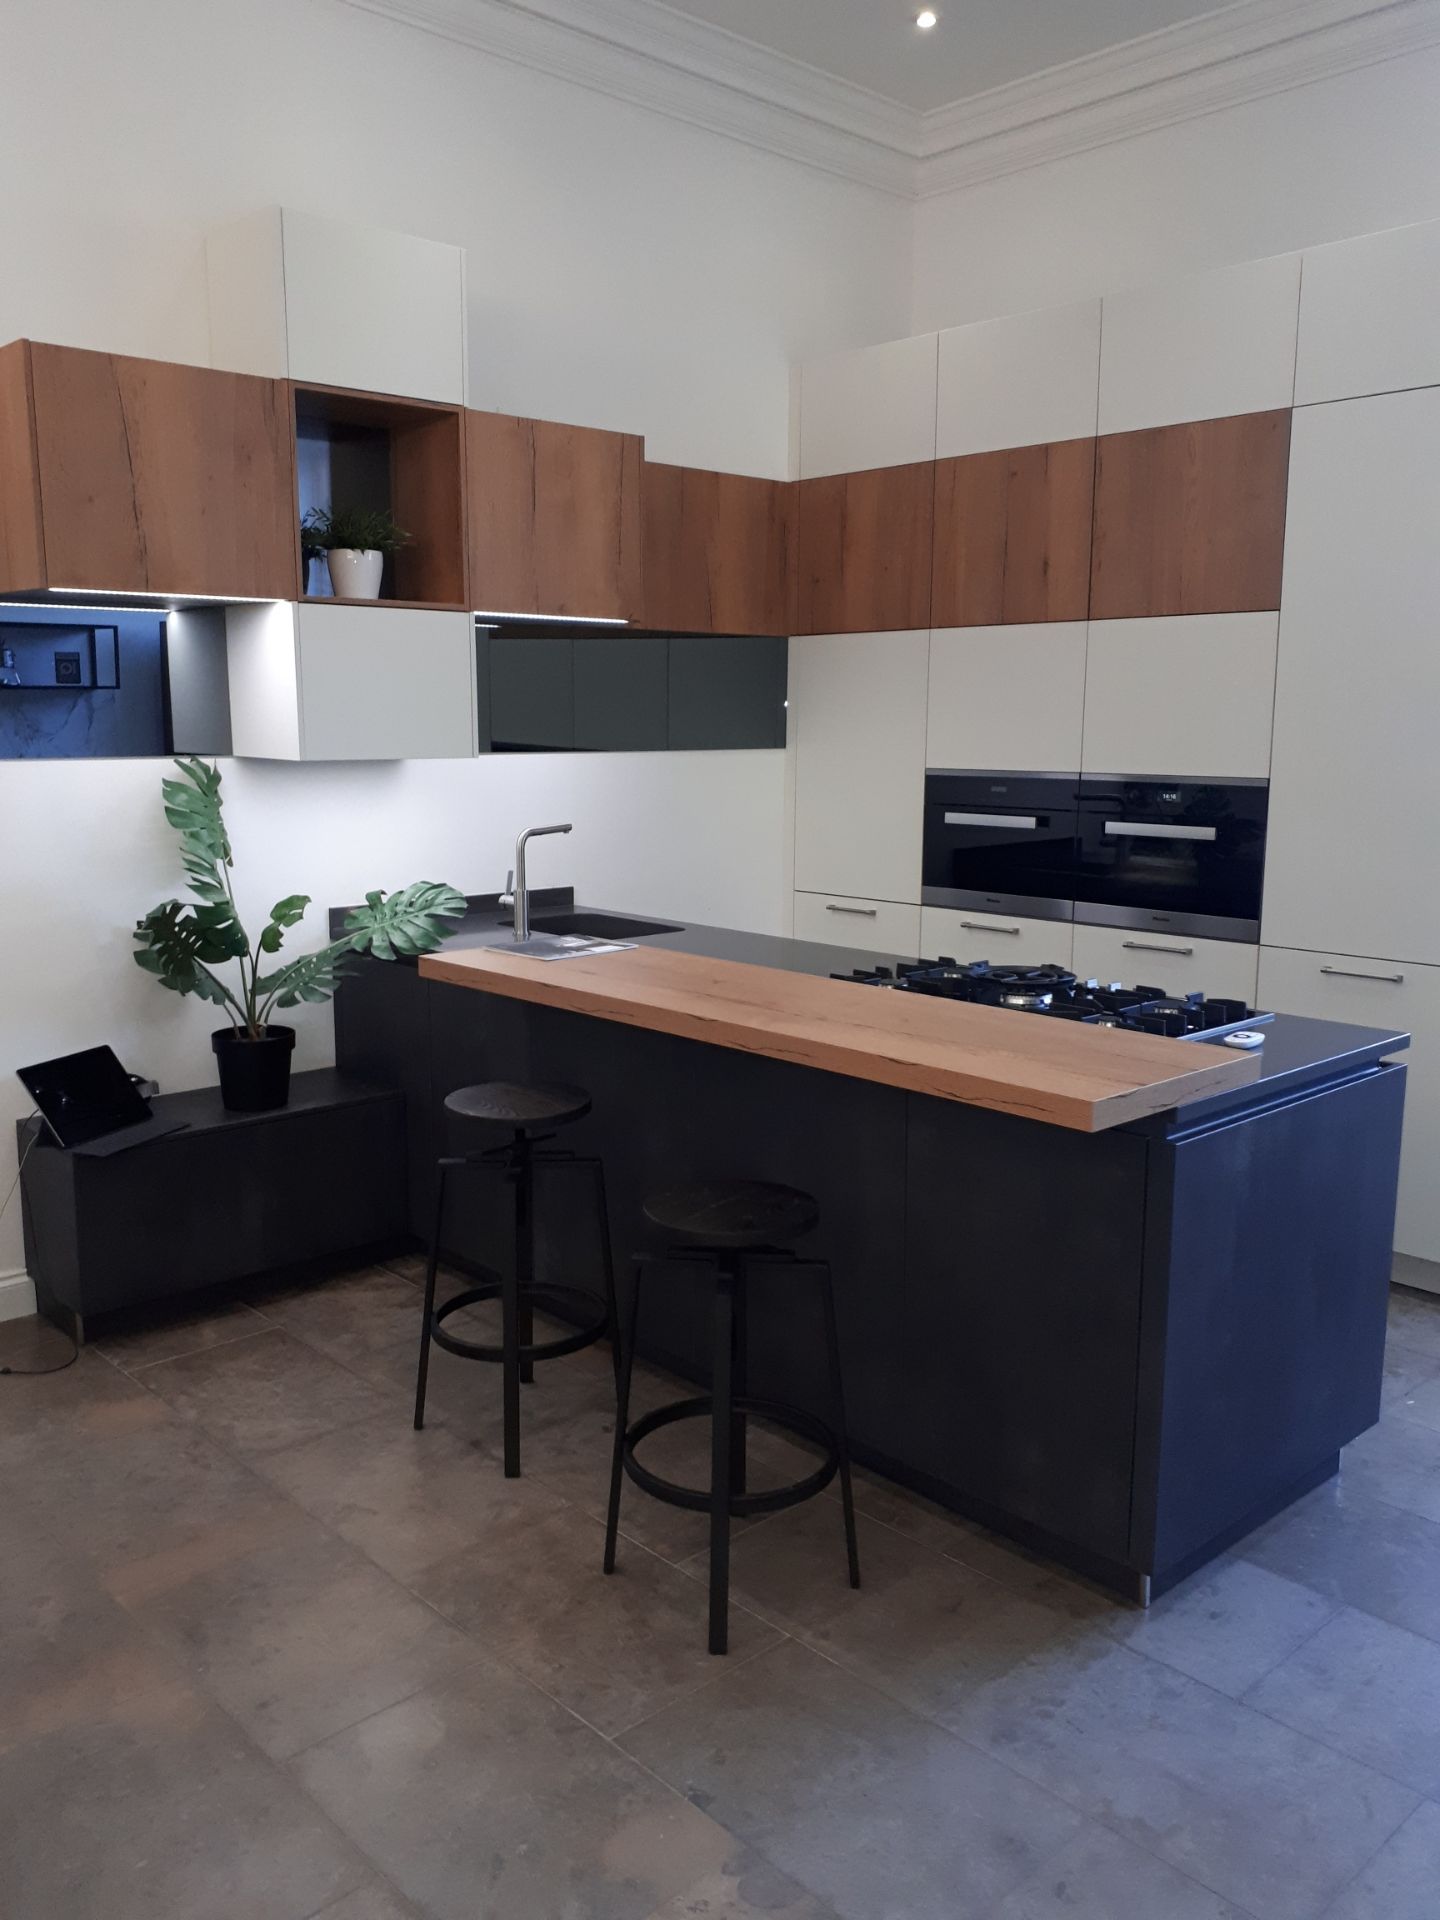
<point>355,575</point>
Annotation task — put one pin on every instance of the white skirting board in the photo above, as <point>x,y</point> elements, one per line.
<point>1410,1271</point>
<point>17,1295</point>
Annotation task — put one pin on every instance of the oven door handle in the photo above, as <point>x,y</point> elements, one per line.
<point>1020,822</point>
<point>1156,830</point>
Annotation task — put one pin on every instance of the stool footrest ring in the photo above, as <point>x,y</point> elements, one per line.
<point>565,1298</point>
<point>788,1419</point>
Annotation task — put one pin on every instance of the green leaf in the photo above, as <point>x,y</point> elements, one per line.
<point>175,944</point>
<point>285,913</point>
<point>312,978</point>
<point>412,921</point>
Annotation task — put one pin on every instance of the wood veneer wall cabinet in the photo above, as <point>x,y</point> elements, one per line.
<point>1191,518</point>
<point>555,518</point>
<point>1012,535</point>
<point>22,546</point>
<point>719,552</point>
<point>865,550</point>
<point>156,478</point>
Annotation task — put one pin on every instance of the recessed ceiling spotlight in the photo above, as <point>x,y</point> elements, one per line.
<point>926,18</point>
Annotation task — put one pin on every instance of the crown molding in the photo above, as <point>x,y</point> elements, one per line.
<point>1242,52</point>
<point>644,52</point>
<point>647,54</point>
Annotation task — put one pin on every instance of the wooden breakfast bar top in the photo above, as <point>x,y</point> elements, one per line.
<point>1057,1071</point>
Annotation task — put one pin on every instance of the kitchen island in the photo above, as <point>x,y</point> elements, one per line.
<point>1120,1297</point>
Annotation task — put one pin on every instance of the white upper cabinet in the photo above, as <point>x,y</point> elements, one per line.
<point>324,301</point>
<point>1007,697</point>
<point>1355,782</point>
<point>1192,696</point>
<point>874,407</point>
<point>1368,312</point>
<point>1020,381</point>
<point>318,682</point>
<point>857,720</point>
<point>1200,348</point>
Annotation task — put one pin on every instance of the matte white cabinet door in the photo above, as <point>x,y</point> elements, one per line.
<point>857,714</point>
<point>318,682</point>
<point>1201,347</point>
<point>871,926</point>
<point>1190,695</point>
<point>873,407</point>
<point>1368,315</point>
<point>1011,939</point>
<point>1355,777</point>
<point>1007,697</point>
<point>1016,382</point>
<point>1380,993</point>
<point>1225,969</point>
<point>337,304</point>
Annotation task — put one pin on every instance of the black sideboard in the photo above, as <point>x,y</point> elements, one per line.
<point>230,1196</point>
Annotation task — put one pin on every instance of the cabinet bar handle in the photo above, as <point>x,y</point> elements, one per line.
<point>1021,822</point>
<point>1149,946</point>
<point>1156,830</point>
<point>865,913</point>
<point>1354,973</point>
<point>985,926</point>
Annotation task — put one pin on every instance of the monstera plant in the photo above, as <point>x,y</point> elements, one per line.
<point>183,942</point>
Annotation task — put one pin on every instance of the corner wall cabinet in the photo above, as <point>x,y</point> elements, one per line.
<point>144,476</point>
<point>328,681</point>
<point>719,552</point>
<point>865,550</point>
<point>555,518</point>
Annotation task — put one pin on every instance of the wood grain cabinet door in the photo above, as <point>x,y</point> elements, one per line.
<point>865,543</point>
<point>1191,518</point>
<point>719,552</point>
<point>555,518</point>
<point>1012,535</point>
<point>22,549</point>
<point>158,478</point>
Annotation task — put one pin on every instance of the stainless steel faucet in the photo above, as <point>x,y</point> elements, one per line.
<point>516,891</point>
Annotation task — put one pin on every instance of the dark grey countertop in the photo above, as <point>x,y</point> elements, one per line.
<point>1297,1050</point>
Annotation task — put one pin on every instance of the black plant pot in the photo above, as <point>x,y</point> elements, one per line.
<point>254,1074</point>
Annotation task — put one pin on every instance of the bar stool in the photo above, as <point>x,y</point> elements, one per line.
<point>738,1229</point>
<point>523,1109</point>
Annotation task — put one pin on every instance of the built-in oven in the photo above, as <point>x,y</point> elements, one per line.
<point>1182,856</point>
<point>1002,841</point>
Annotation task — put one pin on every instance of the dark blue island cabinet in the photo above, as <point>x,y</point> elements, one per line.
<point>1124,1349</point>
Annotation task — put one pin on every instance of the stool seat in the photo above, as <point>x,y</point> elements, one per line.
<point>733,1213</point>
<point>518,1106</point>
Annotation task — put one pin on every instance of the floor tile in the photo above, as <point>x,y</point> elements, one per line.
<point>1406,1369</point>
<point>1359,1553</point>
<point>1228,1625</point>
<point>611,1648</point>
<point>1400,1882</point>
<point>484,1798</point>
<point>265,1392</point>
<point>300,1640</point>
<point>747,1888</point>
<point>466,1394</point>
<point>859,1800</point>
<point>1369,1689</point>
<point>406,1499</point>
<point>1421,1405</point>
<point>1271,1820</point>
<point>160,1806</point>
<point>91,1401</point>
<point>1415,1317</point>
<point>1398,1463</point>
<point>1099,1876</point>
<point>370,1903</point>
<point>345,1314</point>
<point>69,1651</point>
<point>169,1329</point>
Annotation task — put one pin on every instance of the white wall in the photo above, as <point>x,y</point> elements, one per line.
<point>1339,157</point>
<point>624,271</point>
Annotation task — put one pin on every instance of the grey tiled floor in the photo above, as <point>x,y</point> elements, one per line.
<point>267,1654</point>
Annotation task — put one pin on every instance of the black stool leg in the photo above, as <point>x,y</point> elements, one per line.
<point>625,1350</point>
<point>427,1319</point>
<point>514,1285</point>
<point>525,1315</point>
<point>842,1438</point>
<point>739,1373</point>
<point>607,1262</point>
<point>722,1435</point>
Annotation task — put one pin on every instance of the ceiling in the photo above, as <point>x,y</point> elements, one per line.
<point>978,44</point>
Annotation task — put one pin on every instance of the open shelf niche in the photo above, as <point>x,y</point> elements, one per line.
<point>405,457</point>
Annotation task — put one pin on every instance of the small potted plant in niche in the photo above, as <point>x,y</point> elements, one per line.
<point>355,541</point>
<point>182,941</point>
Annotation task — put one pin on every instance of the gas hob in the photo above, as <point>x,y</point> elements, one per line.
<point>1058,994</point>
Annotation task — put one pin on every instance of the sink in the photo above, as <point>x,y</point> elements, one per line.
<point>604,926</point>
